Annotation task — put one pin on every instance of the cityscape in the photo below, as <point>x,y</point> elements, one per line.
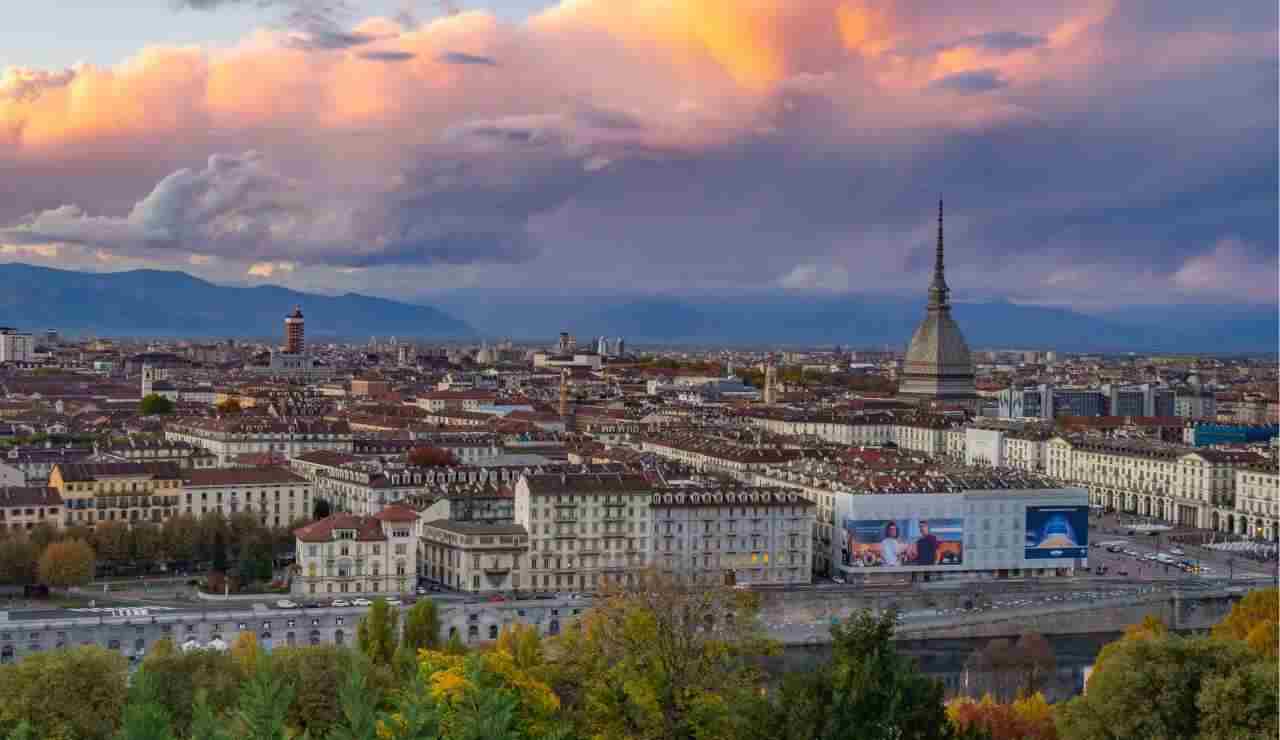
<point>360,377</point>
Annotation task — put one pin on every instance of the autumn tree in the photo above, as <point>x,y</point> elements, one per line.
<point>229,406</point>
<point>316,673</point>
<point>66,564</point>
<point>431,457</point>
<point>658,659</point>
<point>178,537</point>
<point>111,541</point>
<point>422,626</point>
<point>182,677</point>
<point>74,694</point>
<point>155,404</point>
<point>1254,620</point>
<point>1028,718</point>
<point>19,561</point>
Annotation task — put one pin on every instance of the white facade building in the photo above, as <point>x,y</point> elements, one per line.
<point>277,496</point>
<point>355,555</point>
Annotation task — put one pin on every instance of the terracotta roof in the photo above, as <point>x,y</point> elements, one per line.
<point>367,528</point>
<point>29,496</point>
<point>608,483</point>
<point>397,513</point>
<point>240,477</point>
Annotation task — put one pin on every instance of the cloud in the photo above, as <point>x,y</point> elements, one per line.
<point>25,85</point>
<point>269,269</point>
<point>1230,270</point>
<point>457,57</point>
<point>387,55</point>
<point>670,146</point>
<point>816,278</point>
<point>967,83</point>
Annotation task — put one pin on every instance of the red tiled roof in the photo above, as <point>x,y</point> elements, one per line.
<point>397,513</point>
<point>368,529</point>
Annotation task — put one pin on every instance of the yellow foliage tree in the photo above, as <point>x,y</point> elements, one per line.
<point>245,652</point>
<point>1255,620</point>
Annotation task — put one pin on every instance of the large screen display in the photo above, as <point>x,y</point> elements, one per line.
<point>906,542</point>
<point>1057,532</point>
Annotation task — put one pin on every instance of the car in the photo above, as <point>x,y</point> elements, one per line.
<point>286,604</point>
<point>394,602</point>
<point>838,579</point>
<point>1177,551</point>
<point>422,591</point>
<point>312,605</point>
<point>497,598</point>
<point>361,602</point>
<point>340,603</point>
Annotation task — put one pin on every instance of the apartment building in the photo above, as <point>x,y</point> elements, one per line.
<point>1257,509</point>
<point>711,454</point>
<point>358,555</point>
<point>229,438</point>
<point>585,529</point>
<point>733,535</point>
<point>126,492</point>
<point>475,556</point>
<point>277,496</point>
<point>134,450</point>
<point>1188,486</point>
<point>24,507</point>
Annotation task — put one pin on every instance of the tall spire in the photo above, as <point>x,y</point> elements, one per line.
<point>938,289</point>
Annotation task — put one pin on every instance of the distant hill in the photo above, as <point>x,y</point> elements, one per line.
<point>867,322</point>
<point>160,303</point>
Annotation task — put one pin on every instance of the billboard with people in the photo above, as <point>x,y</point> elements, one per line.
<point>902,542</point>
<point>1057,532</point>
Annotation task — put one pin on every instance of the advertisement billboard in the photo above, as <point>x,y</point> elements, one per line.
<point>902,542</point>
<point>1057,532</point>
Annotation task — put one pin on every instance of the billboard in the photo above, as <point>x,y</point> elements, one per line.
<point>1057,532</point>
<point>903,542</point>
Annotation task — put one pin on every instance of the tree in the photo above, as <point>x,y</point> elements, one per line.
<point>19,561</point>
<point>659,659</point>
<point>111,541</point>
<point>1241,705</point>
<point>244,650</point>
<point>1151,687</point>
<point>1254,620</point>
<point>263,707</point>
<point>1029,718</point>
<point>229,406</point>
<point>485,696</point>
<point>376,635</point>
<point>66,564</point>
<point>179,536</point>
<point>182,678</point>
<point>316,673</point>
<point>145,717</point>
<point>431,457</point>
<point>155,404</point>
<point>359,719</point>
<point>38,690</point>
<point>145,542</point>
<point>422,626</point>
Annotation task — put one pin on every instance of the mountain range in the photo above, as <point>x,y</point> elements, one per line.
<point>160,303</point>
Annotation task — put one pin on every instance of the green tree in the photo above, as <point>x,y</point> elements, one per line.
<point>359,719</point>
<point>263,707</point>
<point>205,722</point>
<point>66,564</point>
<point>1149,687</point>
<point>155,404</point>
<point>179,536</point>
<point>869,686</point>
<point>145,716</point>
<point>38,690</point>
<point>422,626</point>
<point>376,635</point>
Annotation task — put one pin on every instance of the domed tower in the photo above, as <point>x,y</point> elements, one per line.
<point>938,366</point>
<point>294,340</point>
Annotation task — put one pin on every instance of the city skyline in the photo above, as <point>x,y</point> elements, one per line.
<point>707,149</point>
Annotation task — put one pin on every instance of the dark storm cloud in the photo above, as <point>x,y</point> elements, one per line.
<point>967,83</point>
<point>458,57</point>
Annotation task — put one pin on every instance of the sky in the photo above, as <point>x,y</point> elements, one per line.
<point>1093,154</point>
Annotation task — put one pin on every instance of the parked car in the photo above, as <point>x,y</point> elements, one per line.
<point>312,605</point>
<point>340,602</point>
<point>286,604</point>
<point>394,602</point>
<point>422,591</point>
<point>361,602</point>
<point>497,598</point>
<point>1177,551</point>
